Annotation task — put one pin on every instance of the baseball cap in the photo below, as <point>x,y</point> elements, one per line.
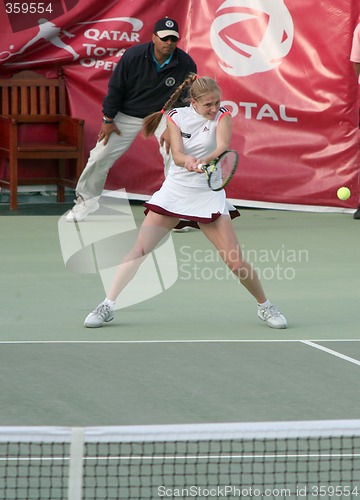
<point>166,27</point>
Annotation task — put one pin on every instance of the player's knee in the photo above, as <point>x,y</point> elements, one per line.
<point>242,270</point>
<point>236,266</point>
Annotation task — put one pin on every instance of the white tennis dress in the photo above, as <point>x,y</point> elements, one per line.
<point>187,194</point>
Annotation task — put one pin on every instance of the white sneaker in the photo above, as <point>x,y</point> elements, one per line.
<point>272,316</point>
<point>82,209</point>
<point>102,314</point>
<point>185,229</point>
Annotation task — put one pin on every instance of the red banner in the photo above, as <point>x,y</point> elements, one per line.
<point>283,67</point>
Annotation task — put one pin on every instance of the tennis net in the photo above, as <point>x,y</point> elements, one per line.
<point>313,459</point>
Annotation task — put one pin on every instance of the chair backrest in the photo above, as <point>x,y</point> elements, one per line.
<point>29,93</point>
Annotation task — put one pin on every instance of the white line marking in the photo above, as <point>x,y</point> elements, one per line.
<point>184,457</point>
<point>185,341</point>
<point>330,351</point>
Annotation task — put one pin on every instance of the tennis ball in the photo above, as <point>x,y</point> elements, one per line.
<point>343,193</point>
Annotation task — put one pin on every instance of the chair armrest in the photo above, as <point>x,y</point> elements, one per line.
<point>70,119</point>
<point>71,130</point>
<point>35,118</point>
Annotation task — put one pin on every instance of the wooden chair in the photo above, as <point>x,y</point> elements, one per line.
<point>34,125</point>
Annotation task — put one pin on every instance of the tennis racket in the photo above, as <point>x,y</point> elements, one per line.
<point>221,170</point>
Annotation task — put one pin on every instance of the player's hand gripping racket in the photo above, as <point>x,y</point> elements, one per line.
<point>221,170</point>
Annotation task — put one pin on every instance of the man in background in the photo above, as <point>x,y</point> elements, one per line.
<point>142,82</point>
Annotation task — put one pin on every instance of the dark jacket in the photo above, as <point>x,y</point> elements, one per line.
<point>137,89</point>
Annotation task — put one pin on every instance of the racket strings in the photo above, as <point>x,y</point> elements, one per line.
<point>222,172</point>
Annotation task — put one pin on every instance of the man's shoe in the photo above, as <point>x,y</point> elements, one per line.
<point>272,316</point>
<point>82,209</point>
<point>357,213</point>
<point>184,225</point>
<point>184,229</point>
<point>102,314</point>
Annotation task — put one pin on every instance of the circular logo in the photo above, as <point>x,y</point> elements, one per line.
<point>239,56</point>
<point>170,82</point>
<point>169,24</point>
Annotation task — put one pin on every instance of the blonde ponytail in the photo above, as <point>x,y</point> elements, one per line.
<point>151,122</point>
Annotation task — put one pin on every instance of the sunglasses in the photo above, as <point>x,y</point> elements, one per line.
<point>167,38</point>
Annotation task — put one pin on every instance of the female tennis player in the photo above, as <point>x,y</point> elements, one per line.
<point>198,135</point>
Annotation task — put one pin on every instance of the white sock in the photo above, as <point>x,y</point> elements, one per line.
<point>110,303</point>
<point>265,304</point>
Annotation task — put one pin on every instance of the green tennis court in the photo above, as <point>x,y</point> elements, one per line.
<point>195,352</point>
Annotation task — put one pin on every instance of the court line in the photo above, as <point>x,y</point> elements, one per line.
<point>184,341</point>
<point>330,351</point>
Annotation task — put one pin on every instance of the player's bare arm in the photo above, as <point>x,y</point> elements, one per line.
<point>165,139</point>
